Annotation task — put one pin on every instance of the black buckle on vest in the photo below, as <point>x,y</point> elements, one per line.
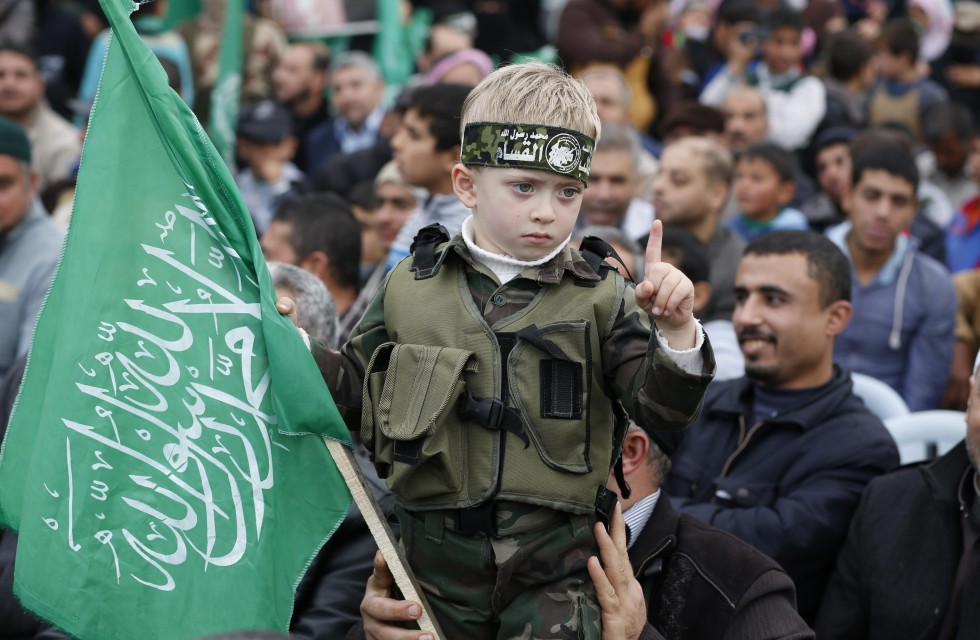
<point>491,413</point>
<point>605,502</point>
<point>480,520</point>
<point>486,411</point>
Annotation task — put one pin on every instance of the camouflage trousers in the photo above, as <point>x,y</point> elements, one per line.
<point>530,581</point>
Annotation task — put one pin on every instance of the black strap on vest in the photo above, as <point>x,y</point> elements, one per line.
<point>423,249</point>
<point>594,250</point>
<point>492,413</point>
<point>605,502</point>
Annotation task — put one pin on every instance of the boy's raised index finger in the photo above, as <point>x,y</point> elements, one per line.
<point>654,243</point>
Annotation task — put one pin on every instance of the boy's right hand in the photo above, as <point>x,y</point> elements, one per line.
<point>667,295</point>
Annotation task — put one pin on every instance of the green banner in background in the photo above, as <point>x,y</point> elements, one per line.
<point>155,465</point>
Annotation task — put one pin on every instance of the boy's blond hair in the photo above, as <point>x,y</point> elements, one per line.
<point>532,93</point>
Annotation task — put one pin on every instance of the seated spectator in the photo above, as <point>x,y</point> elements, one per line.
<point>357,99</point>
<point>949,131</point>
<point>795,101</point>
<point>963,233</point>
<point>780,456</point>
<point>318,233</point>
<point>426,148</point>
<point>746,120</point>
<point>849,76</point>
<point>905,304</point>
<point>901,94</point>
<point>763,189</point>
<point>267,145</point>
<point>613,181</point>
<point>690,191</point>
<point>832,156</point>
<point>55,144</point>
<point>299,83</point>
<point>909,567</point>
<point>30,245</point>
<point>395,201</point>
<point>683,250</point>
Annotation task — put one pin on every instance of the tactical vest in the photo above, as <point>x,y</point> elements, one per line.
<point>903,109</point>
<point>516,411</point>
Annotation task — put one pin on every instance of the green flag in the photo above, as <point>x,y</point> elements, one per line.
<point>391,47</point>
<point>154,465</point>
<point>228,85</point>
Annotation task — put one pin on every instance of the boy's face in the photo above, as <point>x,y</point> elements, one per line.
<point>415,152</point>
<point>524,213</point>
<point>759,191</point>
<point>781,50</point>
<point>888,65</point>
<point>880,206</point>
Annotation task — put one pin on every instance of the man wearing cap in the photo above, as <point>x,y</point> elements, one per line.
<point>910,567</point>
<point>267,145</point>
<point>29,246</point>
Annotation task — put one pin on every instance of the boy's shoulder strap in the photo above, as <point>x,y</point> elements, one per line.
<point>595,251</point>
<point>425,263</point>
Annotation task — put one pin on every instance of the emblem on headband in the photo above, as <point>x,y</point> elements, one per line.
<point>563,153</point>
<point>527,146</point>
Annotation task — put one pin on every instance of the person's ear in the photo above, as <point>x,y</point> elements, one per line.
<point>463,185</point>
<point>636,449</point>
<point>317,263</point>
<point>839,315</point>
<point>718,192</point>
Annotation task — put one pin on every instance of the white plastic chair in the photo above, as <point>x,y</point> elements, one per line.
<point>924,435</point>
<point>881,399</point>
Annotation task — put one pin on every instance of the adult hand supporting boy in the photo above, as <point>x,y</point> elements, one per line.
<point>624,610</point>
<point>667,295</point>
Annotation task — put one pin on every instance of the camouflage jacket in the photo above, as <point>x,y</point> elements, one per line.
<point>629,365</point>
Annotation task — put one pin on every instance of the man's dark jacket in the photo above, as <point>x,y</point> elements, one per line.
<point>788,485</point>
<point>895,574</point>
<point>704,584</point>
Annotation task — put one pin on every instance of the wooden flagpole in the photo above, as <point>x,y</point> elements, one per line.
<point>343,457</point>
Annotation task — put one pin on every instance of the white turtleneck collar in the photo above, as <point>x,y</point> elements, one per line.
<point>503,266</point>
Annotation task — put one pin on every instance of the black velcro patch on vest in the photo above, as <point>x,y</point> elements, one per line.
<point>561,389</point>
<point>409,452</point>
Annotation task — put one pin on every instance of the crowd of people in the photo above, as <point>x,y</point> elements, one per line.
<point>815,165</point>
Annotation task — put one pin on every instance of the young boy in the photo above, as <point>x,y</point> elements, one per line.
<point>497,368</point>
<point>425,148</point>
<point>902,94</point>
<point>763,187</point>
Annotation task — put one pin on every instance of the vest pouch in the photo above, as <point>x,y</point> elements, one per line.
<point>549,372</point>
<point>408,418</point>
